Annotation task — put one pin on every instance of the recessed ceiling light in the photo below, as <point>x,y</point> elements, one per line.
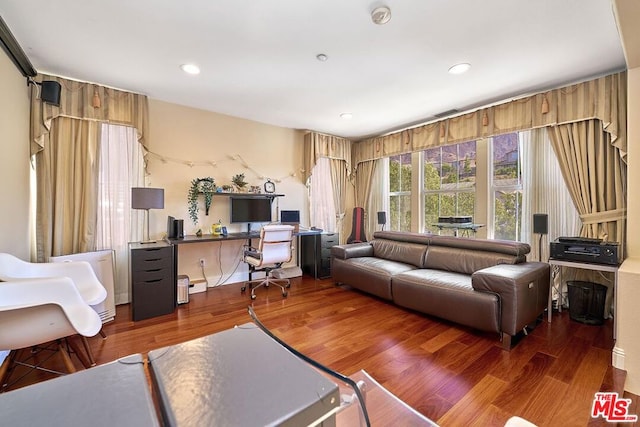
<point>321,57</point>
<point>346,116</point>
<point>190,68</point>
<point>459,68</point>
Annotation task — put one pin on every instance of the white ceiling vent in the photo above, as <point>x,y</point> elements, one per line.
<point>381,15</point>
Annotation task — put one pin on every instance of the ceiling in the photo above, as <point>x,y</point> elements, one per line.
<point>258,58</point>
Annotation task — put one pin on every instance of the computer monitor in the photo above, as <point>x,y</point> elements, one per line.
<point>250,209</point>
<point>290,217</point>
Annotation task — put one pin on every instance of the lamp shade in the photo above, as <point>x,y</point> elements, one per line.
<point>147,198</point>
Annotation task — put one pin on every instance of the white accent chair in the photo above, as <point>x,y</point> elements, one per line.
<point>273,250</point>
<point>80,272</point>
<point>41,310</point>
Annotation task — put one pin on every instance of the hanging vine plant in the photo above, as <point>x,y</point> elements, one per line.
<point>206,186</point>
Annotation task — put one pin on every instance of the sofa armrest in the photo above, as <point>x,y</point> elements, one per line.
<point>352,250</point>
<point>523,290</point>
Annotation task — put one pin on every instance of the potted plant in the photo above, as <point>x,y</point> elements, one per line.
<point>206,186</point>
<point>239,182</point>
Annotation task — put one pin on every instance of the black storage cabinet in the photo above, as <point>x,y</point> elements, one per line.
<point>153,280</point>
<point>316,253</point>
<point>586,302</point>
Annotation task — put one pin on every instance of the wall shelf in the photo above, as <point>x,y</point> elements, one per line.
<point>250,195</point>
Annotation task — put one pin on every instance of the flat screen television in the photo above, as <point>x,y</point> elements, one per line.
<point>250,209</point>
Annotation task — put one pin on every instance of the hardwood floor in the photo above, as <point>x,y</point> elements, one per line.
<point>454,375</point>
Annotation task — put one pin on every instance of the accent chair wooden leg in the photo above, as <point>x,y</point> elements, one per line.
<point>84,357</point>
<point>66,358</point>
<point>87,349</point>
<point>5,368</point>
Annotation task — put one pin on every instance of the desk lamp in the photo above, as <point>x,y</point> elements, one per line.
<point>147,198</point>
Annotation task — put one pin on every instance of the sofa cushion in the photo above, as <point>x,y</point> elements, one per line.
<point>465,261</point>
<point>407,253</point>
<point>447,295</point>
<point>372,275</point>
<point>517,249</point>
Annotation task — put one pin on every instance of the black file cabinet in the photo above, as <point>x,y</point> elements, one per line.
<point>315,253</point>
<point>153,284</point>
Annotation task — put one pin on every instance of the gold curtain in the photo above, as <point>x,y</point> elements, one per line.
<point>595,176</point>
<point>67,172</point>
<point>364,183</point>
<point>317,145</point>
<point>90,102</point>
<point>603,98</point>
<point>339,180</point>
<point>64,141</point>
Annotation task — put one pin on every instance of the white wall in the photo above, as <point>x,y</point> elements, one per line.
<point>14,162</point>
<point>180,135</point>
<point>627,350</point>
<point>626,353</point>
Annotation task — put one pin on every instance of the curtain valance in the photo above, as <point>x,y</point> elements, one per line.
<point>318,145</point>
<point>603,98</point>
<point>90,102</point>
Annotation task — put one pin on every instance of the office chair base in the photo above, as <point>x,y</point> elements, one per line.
<point>283,284</point>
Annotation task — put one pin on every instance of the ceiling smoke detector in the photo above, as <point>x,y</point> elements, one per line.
<point>381,15</point>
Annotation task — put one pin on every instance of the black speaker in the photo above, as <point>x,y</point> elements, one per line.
<point>540,225</point>
<point>382,218</point>
<point>171,228</point>
<point>179,228</point>
<point>50,92</point>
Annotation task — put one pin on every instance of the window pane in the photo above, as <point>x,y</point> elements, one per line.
<point>432,170</point>
<point>400,213</point>
<point>466,204</point>
<point>400,173</point>
<point>447,170</point>
<point>467,164</point>
<point>507,214</point>
<point>447,204</point>
<point>506,170</point>
<point>431,209</point>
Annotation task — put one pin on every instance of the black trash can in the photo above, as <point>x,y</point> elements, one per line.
<point>586,302</point>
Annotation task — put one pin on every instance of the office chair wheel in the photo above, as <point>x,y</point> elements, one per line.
<point>242,289</point>
<point>285,293</point>
<point>288,285</point>
<point>253,297</point>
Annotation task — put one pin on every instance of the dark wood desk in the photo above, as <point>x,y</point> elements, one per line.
<point>208,238</point>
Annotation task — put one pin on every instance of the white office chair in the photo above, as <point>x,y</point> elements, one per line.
<point>38,311</point>
<point>274,250</point>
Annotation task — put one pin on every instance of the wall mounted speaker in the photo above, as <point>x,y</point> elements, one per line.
<point>50,92</point>
<point>540,223</point>
<point>382,218</point>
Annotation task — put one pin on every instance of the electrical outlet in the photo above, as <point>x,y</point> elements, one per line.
<point>201,262</point>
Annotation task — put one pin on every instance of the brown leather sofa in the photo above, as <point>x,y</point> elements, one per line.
<point>484,284</point>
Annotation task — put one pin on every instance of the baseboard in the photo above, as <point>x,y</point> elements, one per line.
<point>617,358</point>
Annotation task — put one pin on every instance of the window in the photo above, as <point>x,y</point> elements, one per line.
<point>400,192</point>
<point>449,181</point>
<point>506,186</point>
<point>121,167</point>
<point>323,211</point>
